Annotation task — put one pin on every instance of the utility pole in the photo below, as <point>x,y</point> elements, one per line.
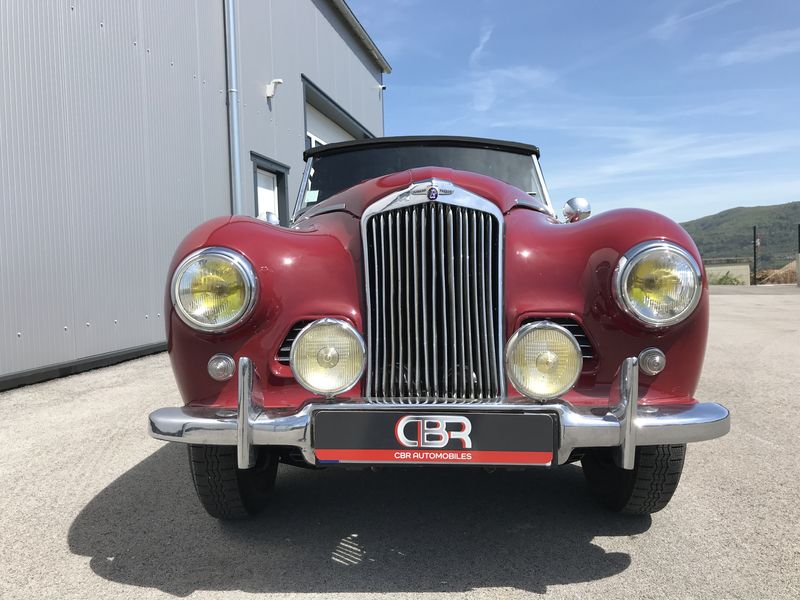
<point>755,257</point>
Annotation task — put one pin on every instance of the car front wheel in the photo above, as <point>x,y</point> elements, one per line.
<point>646,489</point>
<point>229,493</point>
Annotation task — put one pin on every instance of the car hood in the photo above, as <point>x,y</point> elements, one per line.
<point>358,198</point>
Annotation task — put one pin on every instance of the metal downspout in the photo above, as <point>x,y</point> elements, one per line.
<point>234,152</point>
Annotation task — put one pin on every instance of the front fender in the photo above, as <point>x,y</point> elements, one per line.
<point>302,275</point>
<point>556,269</point>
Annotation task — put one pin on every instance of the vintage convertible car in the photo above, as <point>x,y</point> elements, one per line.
<point>427,307</point>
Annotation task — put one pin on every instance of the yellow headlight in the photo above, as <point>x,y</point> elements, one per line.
<point>543,360</point>
<point>327,357</point>
<point>214,289</point>
<point>659,283</point>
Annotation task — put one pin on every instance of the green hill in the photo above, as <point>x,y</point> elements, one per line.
<point>729,234</point>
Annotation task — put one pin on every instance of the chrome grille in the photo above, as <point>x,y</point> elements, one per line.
<point>433,292</point>
<point>284,352</point>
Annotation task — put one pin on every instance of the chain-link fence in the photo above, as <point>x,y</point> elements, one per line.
<point>740,249</point>
<point>776,262</point>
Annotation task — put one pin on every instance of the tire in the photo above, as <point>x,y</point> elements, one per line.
<point>229,493</point>
<point>646,489</point>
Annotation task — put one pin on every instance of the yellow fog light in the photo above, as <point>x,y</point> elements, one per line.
<point>543,360</point>
<point>658,283</point>
<point>327,357</point>
<point>214,289</point>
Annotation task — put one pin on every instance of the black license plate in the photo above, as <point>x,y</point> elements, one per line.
<point>406,437</point>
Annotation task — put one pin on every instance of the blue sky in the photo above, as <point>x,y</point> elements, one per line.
<point>684,107</point>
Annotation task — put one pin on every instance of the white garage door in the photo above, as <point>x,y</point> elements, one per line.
<point>321,130</point>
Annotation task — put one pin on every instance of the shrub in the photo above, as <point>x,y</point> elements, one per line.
<point>726,279</point>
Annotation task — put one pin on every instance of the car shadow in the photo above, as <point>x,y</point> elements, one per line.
<point>396,530</point>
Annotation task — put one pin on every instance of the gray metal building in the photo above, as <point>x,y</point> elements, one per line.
<point>117,138</point>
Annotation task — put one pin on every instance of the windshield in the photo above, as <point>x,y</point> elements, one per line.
<point>331,174</point>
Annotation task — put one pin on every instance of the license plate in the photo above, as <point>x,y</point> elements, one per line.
<point>405,437</point>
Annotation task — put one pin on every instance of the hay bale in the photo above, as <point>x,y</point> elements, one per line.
<point>786,274</point>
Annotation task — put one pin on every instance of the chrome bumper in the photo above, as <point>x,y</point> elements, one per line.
<point>625,426</point>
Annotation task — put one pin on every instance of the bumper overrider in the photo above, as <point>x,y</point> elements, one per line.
<point>443,426</point>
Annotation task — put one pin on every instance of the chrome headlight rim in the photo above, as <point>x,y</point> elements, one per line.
<point>631,258</point>
<point>349,329</point>
<point>524,330</point>
<point>245,269</point>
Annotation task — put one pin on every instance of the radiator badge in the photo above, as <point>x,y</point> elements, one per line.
<point>433,188</point>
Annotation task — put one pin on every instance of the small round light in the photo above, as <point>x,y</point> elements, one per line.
<point>214,289</point>
<point>543,360</point>
<point>327,357</point>
<point>652,361</point>
<point>657,282</point>
<point>221,367</point>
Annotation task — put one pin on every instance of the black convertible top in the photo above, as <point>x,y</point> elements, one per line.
<point>422,140</point>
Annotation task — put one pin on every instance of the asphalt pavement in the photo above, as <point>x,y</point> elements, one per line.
<point>93,508</point>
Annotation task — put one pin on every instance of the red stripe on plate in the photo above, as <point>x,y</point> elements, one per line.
<point>437,456</point>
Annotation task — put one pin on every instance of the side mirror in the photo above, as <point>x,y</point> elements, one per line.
<point>577,209</point>
<point>270,218</point>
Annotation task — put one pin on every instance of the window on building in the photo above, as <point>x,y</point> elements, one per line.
<point>266,194</point>
<point>270,188</point>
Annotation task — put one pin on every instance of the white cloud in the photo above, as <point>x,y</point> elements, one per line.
<point>686,202</point>
<point>619,156</point>
<point>759,49</point>
<point>380,20</point>
<point>673,24</point>
<point>654,153</point>
<point>486,85</point>
<point>477,53</point>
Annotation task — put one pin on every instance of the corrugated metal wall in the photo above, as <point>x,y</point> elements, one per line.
<point>113,145</point>
<point>286,39</point>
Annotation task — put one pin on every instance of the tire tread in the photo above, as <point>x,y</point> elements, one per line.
<point>647,488</point>
<point>226,492</point>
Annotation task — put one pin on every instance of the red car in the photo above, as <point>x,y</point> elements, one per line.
<point>427,307</point>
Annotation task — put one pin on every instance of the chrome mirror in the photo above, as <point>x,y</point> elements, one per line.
<point>577,209</point>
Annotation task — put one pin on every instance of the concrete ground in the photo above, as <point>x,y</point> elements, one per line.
<point>774,289</point>
<point>93,508</point>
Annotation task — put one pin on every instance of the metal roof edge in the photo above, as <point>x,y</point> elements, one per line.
<point>361,33</point>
